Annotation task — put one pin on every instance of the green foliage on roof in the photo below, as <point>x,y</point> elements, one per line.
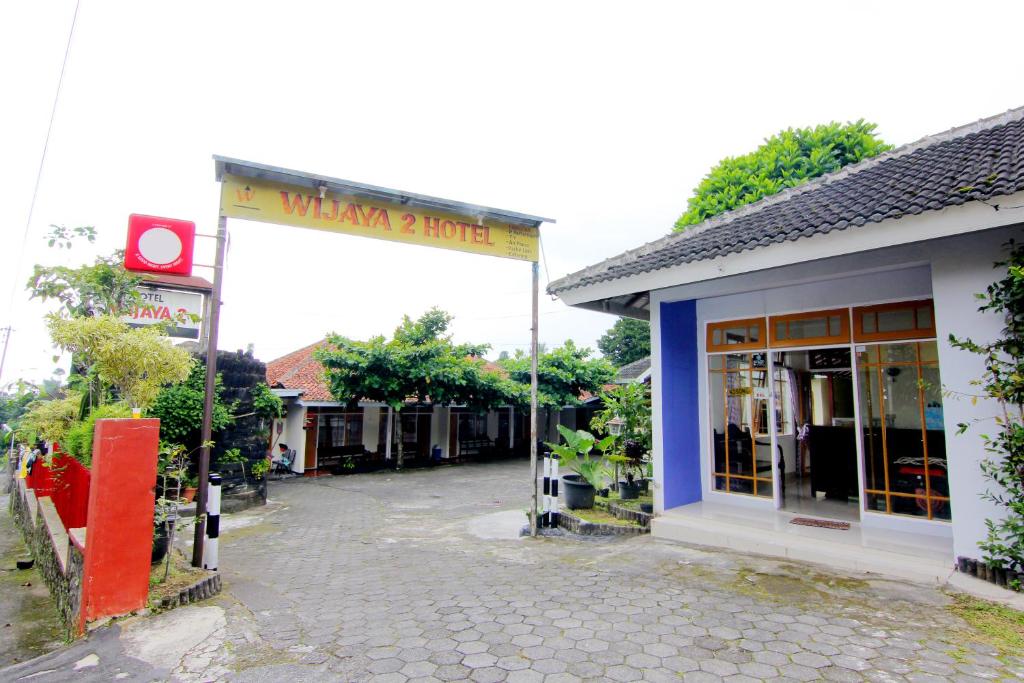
<point>787,159</point>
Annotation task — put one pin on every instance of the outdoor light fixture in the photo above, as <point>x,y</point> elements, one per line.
<point>614,425</point>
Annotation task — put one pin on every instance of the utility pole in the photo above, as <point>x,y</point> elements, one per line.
<point>7,340</point>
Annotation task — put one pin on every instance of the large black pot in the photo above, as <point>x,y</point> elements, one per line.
<point>579,495</point>
<point>629,490</point>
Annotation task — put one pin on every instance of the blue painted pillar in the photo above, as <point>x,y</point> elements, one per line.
<point>680,411</point>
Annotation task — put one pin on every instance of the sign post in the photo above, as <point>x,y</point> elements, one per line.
<point>270,194</point>
<point>206,431</point>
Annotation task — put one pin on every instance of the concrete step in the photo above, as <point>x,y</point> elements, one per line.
<point>897,554</point>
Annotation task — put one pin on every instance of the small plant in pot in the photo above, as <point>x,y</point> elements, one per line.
<point>582,486</point>
<point>634,467</point>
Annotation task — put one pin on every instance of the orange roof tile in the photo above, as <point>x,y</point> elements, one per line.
<point>299,370</point>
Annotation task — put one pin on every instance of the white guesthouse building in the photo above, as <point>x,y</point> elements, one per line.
<point>801,367</point>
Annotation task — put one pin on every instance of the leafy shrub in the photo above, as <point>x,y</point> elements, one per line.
<point>180,409</point>
<point>78,440</point>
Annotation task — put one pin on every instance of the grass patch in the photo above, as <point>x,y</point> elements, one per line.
<point>181,575</point>
<point>999,626</point>
<point>599,516</point>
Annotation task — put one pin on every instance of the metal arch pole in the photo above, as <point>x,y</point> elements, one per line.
<point>533,395</point>
<point>211,376</point>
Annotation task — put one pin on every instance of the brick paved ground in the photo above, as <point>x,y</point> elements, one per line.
<point>381,577</point>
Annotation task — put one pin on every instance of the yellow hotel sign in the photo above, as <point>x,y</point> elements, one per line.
<point>271,202</point>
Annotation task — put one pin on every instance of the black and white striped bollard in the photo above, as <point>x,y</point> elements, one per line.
<point>553,509</point>
<point>210,559</point>
<point>543,521</point>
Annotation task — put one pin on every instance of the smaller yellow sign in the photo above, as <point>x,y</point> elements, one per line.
<point>269,202</point>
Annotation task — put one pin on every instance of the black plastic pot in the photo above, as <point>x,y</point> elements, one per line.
<point>579,495</point>
<point>645,485</point>
<point>962,564</point>
<point>160,543</point>
<point>629,490</point>
<point>647,507</point>
<point>603,492</point>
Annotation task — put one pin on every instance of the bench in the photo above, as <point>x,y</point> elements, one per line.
<point>477,447</point>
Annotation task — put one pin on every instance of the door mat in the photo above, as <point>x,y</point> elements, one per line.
<point>823,523</point>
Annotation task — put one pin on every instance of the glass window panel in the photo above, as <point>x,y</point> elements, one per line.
<point>835,326</point>
<point>807,328</point>
<point>716,362</point>
<point>737,361</point>
<point>904,433</point>
<point>929,352</point>
<point>867,354</point>
<point>875,502</point>
<point>924,317</point>
<point>895,320</point>
<point>735,335</point>
<point>780,330</point>
<point>868,322</point>
<point>898,353</point>
<point>716,337</point>
<point>755,333</point>
<point>764,488</point>
<point>871,410</point>
<point>737,485</point>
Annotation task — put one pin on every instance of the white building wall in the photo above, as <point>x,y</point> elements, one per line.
<point>294,435</point>
<point>957,276</point>
<point>492,425</point>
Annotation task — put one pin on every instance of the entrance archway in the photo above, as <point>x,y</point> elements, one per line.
<point>269,194</point>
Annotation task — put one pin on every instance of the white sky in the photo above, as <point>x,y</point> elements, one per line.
<point>603,116</point>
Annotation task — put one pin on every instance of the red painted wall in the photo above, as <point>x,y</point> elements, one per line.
<point>66,481</point>
<point>119,540</point>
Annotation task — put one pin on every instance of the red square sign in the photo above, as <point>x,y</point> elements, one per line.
<point>159,245</point>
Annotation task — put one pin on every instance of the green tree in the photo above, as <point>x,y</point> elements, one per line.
<point>135,362</point>
<point>790,158</point>
<point>627,341</point>
<point>180,409</point>
<point>419,362</point>
<point>101,288</point>
<point>563,374</point>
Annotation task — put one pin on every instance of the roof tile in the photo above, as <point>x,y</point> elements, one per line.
<point>975,162</point>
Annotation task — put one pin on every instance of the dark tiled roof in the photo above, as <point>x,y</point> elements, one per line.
<point>975,162</point>
<point>629,372</point>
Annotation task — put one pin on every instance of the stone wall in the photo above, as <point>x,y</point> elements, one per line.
<point>60,562</point>
<point>574,524</point>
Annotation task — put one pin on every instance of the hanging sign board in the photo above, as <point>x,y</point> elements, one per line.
<point>272,202</point>
<point>159,245</point>
<point>161,305</point>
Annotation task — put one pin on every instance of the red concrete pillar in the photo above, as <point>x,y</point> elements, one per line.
<point>119,536</point>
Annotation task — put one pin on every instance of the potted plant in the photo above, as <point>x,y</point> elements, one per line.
<point>581,487</point>
<point>191,486</point>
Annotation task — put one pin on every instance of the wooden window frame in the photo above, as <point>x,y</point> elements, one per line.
<point>859,335</point>
<point>748,323</point>
<point>877,371</point>
<point>756,480</point>
<point>842,338</point>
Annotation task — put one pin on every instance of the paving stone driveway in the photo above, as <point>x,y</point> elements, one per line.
<point>378,577</point>
<point>385,577</point>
